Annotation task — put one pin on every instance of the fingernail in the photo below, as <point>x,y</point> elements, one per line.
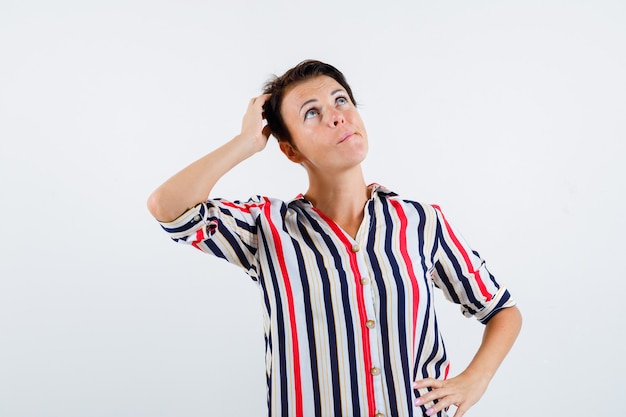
<point>430,412</point>
<point>417,402</point>
<point>415,385</point>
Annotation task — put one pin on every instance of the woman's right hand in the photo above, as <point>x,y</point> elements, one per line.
<point>193,184</point>
<point>254,128</point>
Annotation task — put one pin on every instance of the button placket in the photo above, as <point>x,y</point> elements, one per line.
<point>369,294</point>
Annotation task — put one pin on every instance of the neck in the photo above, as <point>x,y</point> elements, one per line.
<point>341,197</point>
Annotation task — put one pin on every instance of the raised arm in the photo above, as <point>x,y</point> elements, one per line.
<point>193,184</point>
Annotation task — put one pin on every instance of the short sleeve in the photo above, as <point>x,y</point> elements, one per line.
<point>222,228</point>
<point>463,276</point>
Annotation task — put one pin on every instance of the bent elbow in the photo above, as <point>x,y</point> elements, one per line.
<point>155,206</point>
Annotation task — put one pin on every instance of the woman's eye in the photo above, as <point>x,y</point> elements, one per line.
<point>310,114</point>
<point>342,100</point>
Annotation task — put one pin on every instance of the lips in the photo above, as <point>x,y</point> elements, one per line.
<point>347,135</point>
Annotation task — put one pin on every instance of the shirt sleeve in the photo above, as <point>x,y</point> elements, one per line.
<point>222,228</point>
<point>463,276</point>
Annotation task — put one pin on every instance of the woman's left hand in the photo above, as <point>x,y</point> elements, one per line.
<point>465,390</point>
<point>462,391</point>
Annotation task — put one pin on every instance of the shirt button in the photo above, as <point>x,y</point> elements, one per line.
<point>375,371</point>
<point>379,415</point>
<point>365,281</point>
<point>196,218</point>
<point>355,248</point>
<point>370,324</point>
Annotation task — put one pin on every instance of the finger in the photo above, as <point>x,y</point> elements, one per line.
<point>255,102</point>
<point>428,383</point>
<point>260,100</point>
<point>431,397</point>
<point>442,404</point>
<point>437,394</point>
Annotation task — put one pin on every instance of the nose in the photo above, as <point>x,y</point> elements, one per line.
<point>337,118</point>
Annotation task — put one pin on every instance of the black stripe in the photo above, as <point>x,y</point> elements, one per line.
<point>282,354</point>
<point>457,268</point>
<point>235,244</point>
<point>422,256</point>
<point>503,300</point>
<point>400,295</point>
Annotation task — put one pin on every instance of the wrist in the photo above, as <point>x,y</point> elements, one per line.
<point>244,145</point>
<point>249,144</point>
<point>478,376</point>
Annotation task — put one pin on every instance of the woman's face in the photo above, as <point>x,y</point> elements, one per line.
<point>327,132</point>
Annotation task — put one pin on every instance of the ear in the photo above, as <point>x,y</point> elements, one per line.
<point>290,152</point>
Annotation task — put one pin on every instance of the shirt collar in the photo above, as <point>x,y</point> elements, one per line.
<point>375,188</point>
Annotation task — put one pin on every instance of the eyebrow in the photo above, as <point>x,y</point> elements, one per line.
<point>313,100</point>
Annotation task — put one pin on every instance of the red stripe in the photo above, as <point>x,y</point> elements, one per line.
<point>367,353</point>
<point>409,265</point>
<point>242,207</point>
<point>199,238</point>
<point>292,312</point>
<point>468,263</point>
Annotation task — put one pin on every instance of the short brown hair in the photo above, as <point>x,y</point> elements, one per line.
<point>277,87</point>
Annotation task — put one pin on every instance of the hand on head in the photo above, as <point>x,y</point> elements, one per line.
<point>254,126</point>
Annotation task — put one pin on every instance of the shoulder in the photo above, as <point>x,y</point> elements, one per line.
<point>384,194</point>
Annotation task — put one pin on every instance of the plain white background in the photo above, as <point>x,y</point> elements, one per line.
<point>509,114</point>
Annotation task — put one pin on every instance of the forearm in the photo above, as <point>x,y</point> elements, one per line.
<point>194,183</point>
<point>498,338</point>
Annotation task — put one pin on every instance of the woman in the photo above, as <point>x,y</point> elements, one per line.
<point>347,270</point>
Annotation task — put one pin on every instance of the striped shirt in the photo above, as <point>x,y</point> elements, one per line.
<point>349,323</point>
